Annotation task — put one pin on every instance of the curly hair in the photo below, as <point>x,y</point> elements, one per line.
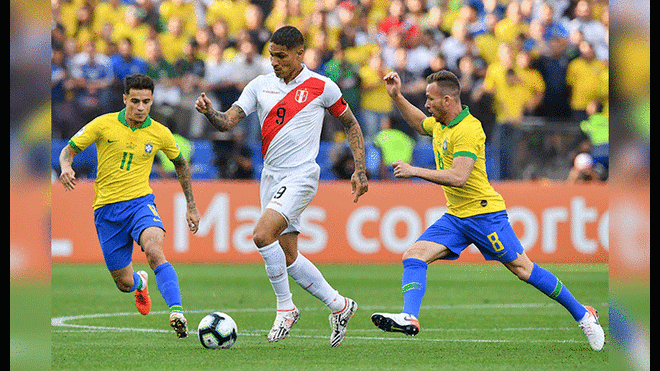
<point>138,81</point>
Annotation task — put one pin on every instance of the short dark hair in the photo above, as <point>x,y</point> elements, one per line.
<point>288,36</point>
<point>138,81</point>
<point>447,82</point>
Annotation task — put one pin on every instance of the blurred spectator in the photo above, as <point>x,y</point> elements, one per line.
<point>531,80</point>
<point>92,79</point>
<point>203,38</point>
<point>456,45</point>
<point>395,23</point>
<point>583,76</point>
<point>231,11</point>
<point>219,33</point>
<point>245,67</point>
<point>109,11</point>
<point>167,94</point>
<point>347,77</point>
<point>486,41</point>
<point>511,25</point>
<point>594,31</point>
<point>150,15</point>
<point>189,66</point>
<point>132,28</point>
<point>394,145</point>
<point>474,95</point>
<point>375,102</point>
<point>312,59</point>
<point>596,128</point>
<point>124,63</point>
<point>64,119</point>
<point>184,11</point>
<point>84,30</point>
<point>254,19</point>
<point>555,103</point>
<point>173,40</point>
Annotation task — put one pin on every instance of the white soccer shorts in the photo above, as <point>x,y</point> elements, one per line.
<point>289,191</point>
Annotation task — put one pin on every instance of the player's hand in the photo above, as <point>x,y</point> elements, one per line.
<point>203,104</point>
<point>392,83</point>
<point>359,184</point>
<point>403,169</point>
<point>192,217</point>
<point>68,179</point>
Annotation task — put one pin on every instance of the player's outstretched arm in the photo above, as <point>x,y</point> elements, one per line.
<point>183,174</point>
<point>222,121</point>
<point>413,115</point>
<point>67,176</point>
<point>355,138</point>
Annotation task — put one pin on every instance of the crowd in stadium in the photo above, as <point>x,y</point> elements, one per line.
<point>530,70</point>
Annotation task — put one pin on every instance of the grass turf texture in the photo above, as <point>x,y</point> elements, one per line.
<point>473,317</point>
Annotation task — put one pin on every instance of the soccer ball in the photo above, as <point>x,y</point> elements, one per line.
<point>217,331</point>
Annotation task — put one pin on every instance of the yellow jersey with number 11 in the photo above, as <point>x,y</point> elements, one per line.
<point>464,136</point>
<point>125,155</point>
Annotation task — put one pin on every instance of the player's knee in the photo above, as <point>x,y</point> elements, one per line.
<point>123,284</point>
<point>262,238</point>
<point>414,252</point>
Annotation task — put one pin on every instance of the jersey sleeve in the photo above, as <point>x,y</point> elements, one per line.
<point>170,147</point>
<point>248,99</point>
<point>333,99</point>
<point>87,135</point>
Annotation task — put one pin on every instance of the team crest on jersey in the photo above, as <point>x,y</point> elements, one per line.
<point>444,145</point>
<point>301,96</point>
<point>148,147</point>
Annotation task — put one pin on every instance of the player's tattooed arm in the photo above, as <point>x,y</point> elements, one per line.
<point>222,121</point>
<point>182,169</point>
<point>356,142</point>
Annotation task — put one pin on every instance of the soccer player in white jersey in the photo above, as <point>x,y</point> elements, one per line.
<point>290,104</point>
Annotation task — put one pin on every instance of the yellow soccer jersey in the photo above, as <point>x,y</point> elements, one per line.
<point>464,136</point>
<point>125,155</point>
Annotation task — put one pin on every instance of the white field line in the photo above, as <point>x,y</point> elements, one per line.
<point>63,325</point>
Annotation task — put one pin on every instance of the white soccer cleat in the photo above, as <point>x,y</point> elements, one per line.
<point>396,322</point>
<point>592,329</point>
<point>284,320</point>
<point>179,324</point>
<point>339,321</point>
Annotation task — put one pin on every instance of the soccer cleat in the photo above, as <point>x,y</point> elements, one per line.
<point>284,320</point>
<point>339,321</point>
<point>142,299</point>
<point>179,324</point>
<point>592,329</point>
<point>400,322</point>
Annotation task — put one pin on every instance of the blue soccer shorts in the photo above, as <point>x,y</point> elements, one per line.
<point>491,233</point>
<point>121,223</point>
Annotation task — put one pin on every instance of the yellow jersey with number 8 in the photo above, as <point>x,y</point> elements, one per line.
<point>125,155</point>
<point>464,136</point>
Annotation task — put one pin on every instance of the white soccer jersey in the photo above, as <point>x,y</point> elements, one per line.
<point>291,115</point>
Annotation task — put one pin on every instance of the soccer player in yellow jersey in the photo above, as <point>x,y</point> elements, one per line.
<point>124,207</point>
<point>476,213</point>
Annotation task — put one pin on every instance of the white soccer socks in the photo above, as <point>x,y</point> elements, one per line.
<point>310,278</point>
<point>275,261</point>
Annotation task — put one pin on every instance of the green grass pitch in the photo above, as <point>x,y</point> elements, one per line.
<point>474,317</point>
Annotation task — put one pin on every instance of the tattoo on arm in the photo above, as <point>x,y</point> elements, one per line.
<point>224,121</point>
<point>183,174</point>
<point>355,140</point>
